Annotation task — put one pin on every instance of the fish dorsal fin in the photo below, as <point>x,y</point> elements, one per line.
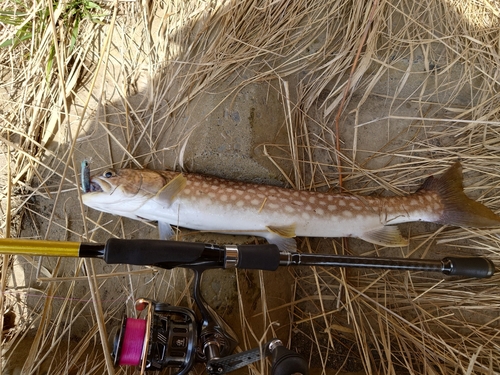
<point>389,236</point>
<point>169,192</point>
<point>287,231</point>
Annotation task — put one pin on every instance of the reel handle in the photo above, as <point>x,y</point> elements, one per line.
<point>286,361</point>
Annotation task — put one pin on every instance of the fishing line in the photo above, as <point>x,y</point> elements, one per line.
<point>133,342</point>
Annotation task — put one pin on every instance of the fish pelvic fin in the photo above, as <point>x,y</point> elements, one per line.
<point>167,194</point>
<point>284,244</point>
<point>283,237</point>
<point>388,236</point>
<point>458,209</point>
<point>287,231</point>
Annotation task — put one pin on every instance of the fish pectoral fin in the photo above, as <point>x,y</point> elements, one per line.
<point>169,192</point>
<point>389,236</point>
<point>287,231</point>
<point>165,230</point>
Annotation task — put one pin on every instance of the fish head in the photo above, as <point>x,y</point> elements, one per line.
<point>122,191</point>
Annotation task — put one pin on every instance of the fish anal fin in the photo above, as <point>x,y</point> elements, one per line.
<point>287,231</point>
<point>389,236</point>
<point>169,192</point>
<point>458,209</point>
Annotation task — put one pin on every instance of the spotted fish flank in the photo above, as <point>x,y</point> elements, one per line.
<point>278,214</point>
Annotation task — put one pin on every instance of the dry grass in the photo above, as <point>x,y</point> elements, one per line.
<point>128,89</point>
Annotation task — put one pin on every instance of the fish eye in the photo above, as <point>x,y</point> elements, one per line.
<point>109,174</point>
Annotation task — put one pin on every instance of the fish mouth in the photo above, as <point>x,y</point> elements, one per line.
<point>95,187</point>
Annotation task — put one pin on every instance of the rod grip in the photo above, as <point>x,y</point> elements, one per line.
<point>151,252</point>
<point>469,267</point>
<point>258,257</point>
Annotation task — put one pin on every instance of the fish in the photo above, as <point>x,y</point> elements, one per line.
<point>208,203</point>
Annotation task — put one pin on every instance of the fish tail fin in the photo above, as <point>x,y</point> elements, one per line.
<point>459,210</point>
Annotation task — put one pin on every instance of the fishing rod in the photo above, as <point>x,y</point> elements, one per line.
<point>172,336</point>
<point>171,254</point>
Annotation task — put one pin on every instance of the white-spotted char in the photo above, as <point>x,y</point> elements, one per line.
<point>213,204</point>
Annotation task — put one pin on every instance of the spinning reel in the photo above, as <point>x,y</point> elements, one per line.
<point>171,337</point>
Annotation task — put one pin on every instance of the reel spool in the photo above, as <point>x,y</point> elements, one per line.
<point>166,338</point>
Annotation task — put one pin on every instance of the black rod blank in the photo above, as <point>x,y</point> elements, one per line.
<point>477,267</point>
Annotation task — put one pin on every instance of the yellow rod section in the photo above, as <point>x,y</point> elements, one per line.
<point>19,246</point>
